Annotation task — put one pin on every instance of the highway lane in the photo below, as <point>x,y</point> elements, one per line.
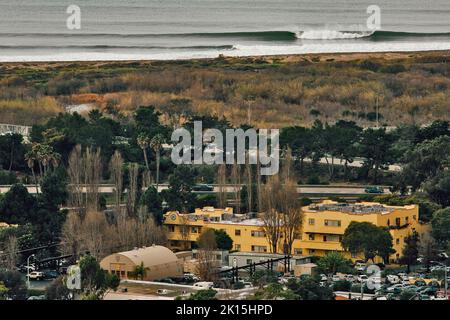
<point>306,190</point>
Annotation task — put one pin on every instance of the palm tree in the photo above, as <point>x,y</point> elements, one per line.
<point>49,157</point>
<point>144,141</point>
<point>156,144</point>
<point>31,157</point>
<point>44,155</point>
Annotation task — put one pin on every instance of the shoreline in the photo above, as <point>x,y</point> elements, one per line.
<point>284,58</point>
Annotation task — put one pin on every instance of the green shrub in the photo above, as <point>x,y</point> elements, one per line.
<point>342,285</point>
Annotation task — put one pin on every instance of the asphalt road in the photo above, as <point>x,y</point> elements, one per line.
<point>306,190</point>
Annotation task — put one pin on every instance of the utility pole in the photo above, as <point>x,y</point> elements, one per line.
<point>28,270</point>
<point>377,112</point>
<point>362,290</point>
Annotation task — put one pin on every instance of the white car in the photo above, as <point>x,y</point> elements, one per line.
<point>335,278</point>
<point>393,288</point>
<point>323,277</point>
<point>362,278</point>
<point>203,285</point>
<point>392,278</point>
<point>375,281</point>
<point>403,276</point>
<point>405,282</point>
<point>36,275</point>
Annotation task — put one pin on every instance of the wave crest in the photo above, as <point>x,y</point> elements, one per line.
<point>332,34</point>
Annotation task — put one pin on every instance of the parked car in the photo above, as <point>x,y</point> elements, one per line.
<point>36,275</point>
<point>362,278</point>
<point>349,277</point>
<point>431,291</point>
<point>374,189</point>
<point>41,297</point>
<point>335,278</point>
<point>164,291</point>
<point>393,279</point>
<point>203,285</point>
<point>203,187</point>
<point>323,277</point>
<point>396,288</point>
<point>376,281</point>
<point>167,280</point>
<point>51,274</point>
<point>190,277</point>
<point>420,283</point>
<point>25,268</point>
<point>411,287</point>
<point>402,276</point>
<point>360,266</point>
<point>405,283</point>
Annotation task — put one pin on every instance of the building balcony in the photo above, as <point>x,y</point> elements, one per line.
<point>321,245</point>
<point>324,229</point>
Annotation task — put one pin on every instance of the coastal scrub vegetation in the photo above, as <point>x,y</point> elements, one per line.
<point>272,92</point>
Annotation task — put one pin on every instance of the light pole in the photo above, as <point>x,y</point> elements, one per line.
<point>445,277</point>
<point>28,270</point>
<point>362,289</point>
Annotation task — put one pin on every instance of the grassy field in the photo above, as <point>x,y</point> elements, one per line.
<point>264,92</point>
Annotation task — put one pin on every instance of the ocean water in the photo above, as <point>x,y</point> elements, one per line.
<point>36,30</point>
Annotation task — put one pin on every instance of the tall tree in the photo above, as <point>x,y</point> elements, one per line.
<point>179,196</point>
<point>291,214</point>
<point>207,243</point>
<point>116,169</point>
<point>92,174</point>
<point>144,142</point>
<point>156,143</point>
<point>375,147</point>
<point>75,172</point>
<point>410,251</point>
<point>12,151</point>
<point>271,213</point>
<point>221,181</point>
<point>133,189</point>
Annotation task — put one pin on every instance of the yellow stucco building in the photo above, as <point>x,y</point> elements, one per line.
<point>323,227</point>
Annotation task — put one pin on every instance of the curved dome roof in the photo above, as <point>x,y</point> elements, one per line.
<point>150,256</point>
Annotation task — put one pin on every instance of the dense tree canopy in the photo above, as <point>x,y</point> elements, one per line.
<point>441,225</point>
<point>367,238</point>
<point>223,240</point>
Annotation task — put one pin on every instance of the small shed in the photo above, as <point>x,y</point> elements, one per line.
<point>306,268</point>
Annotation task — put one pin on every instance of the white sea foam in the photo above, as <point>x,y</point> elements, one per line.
<point>332,34</point>
<point>239,50</point>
